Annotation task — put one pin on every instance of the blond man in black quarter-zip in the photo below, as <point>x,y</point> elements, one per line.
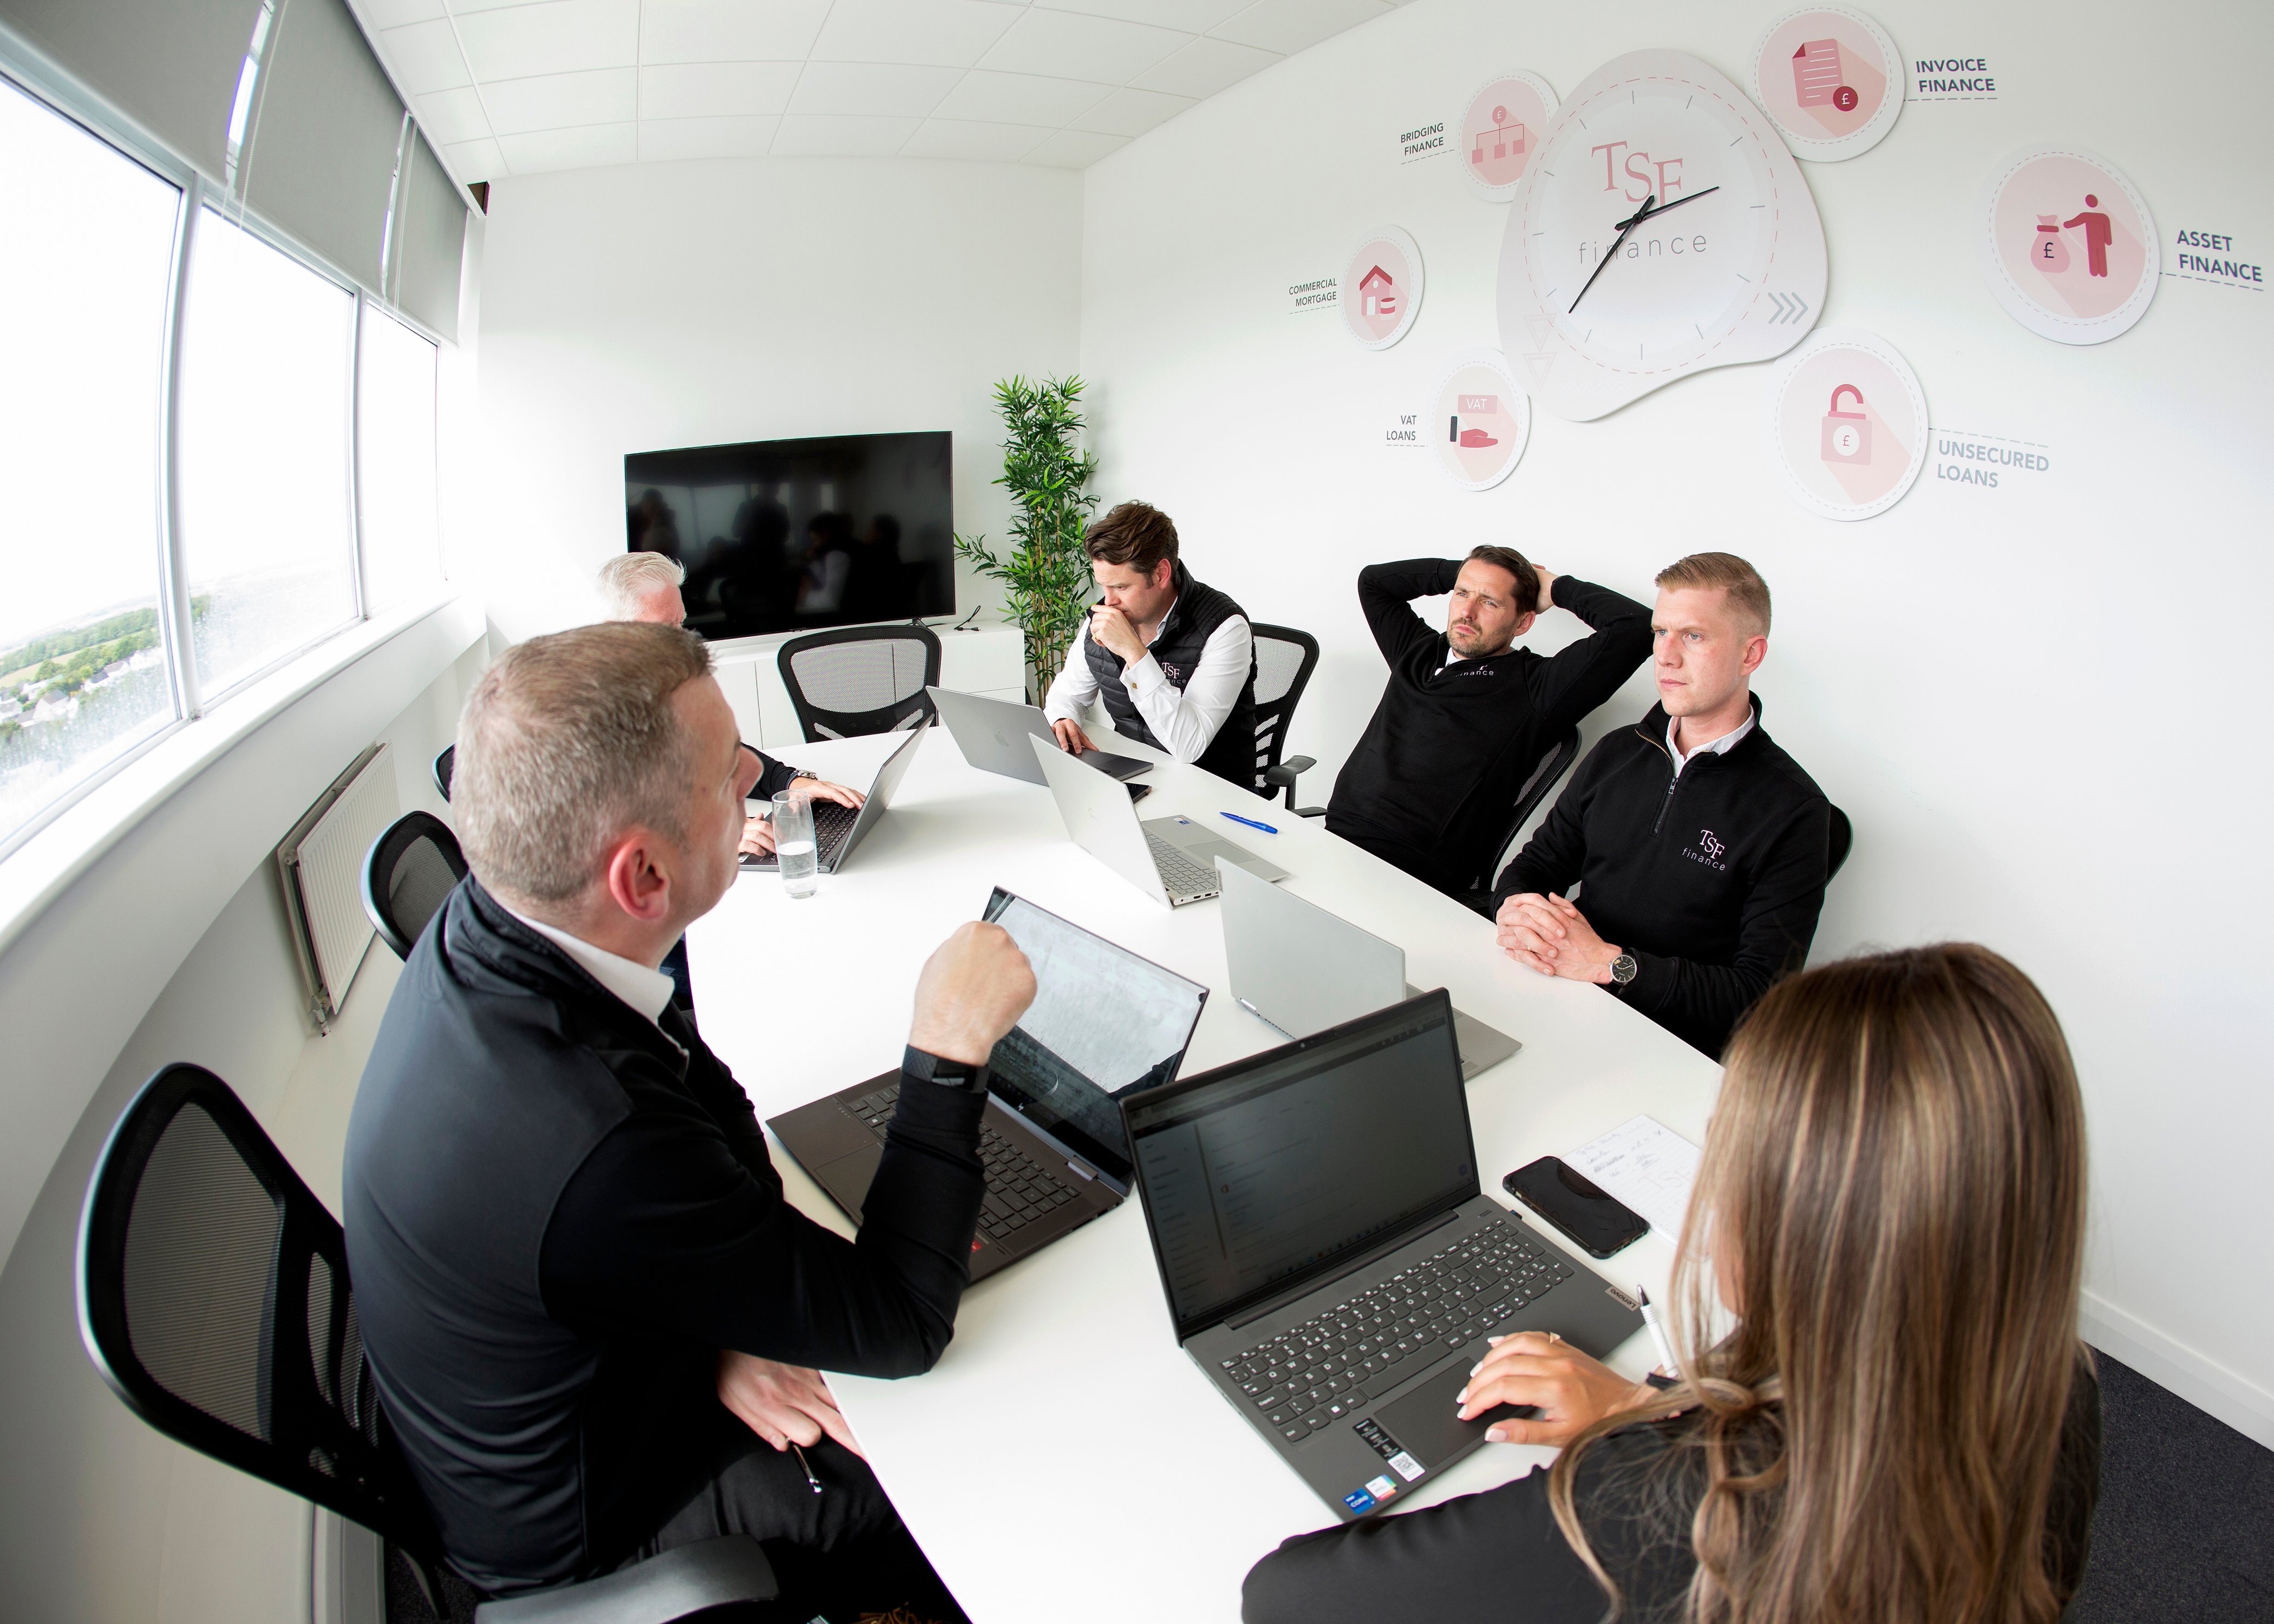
<point>1699,849</point>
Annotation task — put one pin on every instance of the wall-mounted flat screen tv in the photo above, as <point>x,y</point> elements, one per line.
<point>789,534</point>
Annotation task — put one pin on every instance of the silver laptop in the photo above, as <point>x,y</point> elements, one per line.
<point>1171,859</point>
<point>836,829</point>
<point>1299,969</point>
<point>991,734</point>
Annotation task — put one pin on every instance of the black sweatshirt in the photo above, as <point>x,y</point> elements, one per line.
<point>1713,880</point>
<point>1498,1555</point>
<point>557,1213</point>
<point>1432,782</point>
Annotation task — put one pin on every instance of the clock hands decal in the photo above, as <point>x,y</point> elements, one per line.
<point>1626,227</point>
<point>1739,278</point>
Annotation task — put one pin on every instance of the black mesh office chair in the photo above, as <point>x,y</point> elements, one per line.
<point>1843,840</point>
<point>213,1298</point>
<point>444,765</point>
<point>860,679</point>
<point>408,876</point>
<point>1284,659</point>
<point>1544,777</point>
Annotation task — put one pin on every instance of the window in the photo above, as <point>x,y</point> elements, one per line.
<point>395,463</point>
<point>267,545</point>
<point>86,281</point>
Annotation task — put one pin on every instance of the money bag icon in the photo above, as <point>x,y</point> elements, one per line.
<point>2049,253</point>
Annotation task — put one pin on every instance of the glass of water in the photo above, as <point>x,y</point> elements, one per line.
<point>793,845</point>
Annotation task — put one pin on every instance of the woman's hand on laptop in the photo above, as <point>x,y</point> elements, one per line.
<point>784,1404</point>
<point>1072,739</point>
<point>973,989</point>
<point>1571,1390</point>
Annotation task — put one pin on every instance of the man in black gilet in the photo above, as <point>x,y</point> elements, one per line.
<point>1701,850</point>
<point>1173,660</point>
<point>596,1324</point>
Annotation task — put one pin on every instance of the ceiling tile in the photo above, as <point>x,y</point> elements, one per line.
<point>948,33</point>
<point>717,89</point>
<point>450,116</point>
<point>1075,149</point>
<point>1289,26</point>
<point>663,139</point>
<point>473,161</point>
<point>558,101</point>
<point>424,56</point>
<point>1195,16</point>
<point>1132,112</point>
<point>955,137</point>
<point>377,14</point>
<point>1067,46</point>
<point>587,148</point>
<point>729,30</point>
<point>560,36</point>
<point>1205,67</point>
<point>843,137</point>
<point>871,89</point>
<point>1019,99</point>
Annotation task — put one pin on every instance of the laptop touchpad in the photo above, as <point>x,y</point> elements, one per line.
<point>848,1178</point>
<point>1426,1423</point>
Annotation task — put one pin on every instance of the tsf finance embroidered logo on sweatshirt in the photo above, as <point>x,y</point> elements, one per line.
<point>1708,850</point>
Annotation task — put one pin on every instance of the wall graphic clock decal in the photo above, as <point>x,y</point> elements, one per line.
<point>1662,228</point>
<point>1847,424</point>
<point>2067,245</point>
<point>1480,419</point>
<point>1832,79</point>
<point>1382,287</point>
<point>1500,131</point>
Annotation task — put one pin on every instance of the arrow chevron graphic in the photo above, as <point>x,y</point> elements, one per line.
<point>1789,306</point>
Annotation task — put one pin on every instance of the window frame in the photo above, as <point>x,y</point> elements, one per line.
<point>24,68</point>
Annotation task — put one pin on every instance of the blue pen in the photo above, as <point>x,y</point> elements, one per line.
<point>1250,822</point>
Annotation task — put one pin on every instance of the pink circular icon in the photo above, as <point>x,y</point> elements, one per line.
<point>1845,98</point>
<point>1500,131</point>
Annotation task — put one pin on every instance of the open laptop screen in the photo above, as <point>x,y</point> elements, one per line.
<point>1260,1171</point>
<point>1103,1022</point>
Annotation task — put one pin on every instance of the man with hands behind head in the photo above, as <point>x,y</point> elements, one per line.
<point>595,1323</point>
<point>1700,849</point>
<point>1467,715</point>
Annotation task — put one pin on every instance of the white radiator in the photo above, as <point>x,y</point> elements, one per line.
<point>321,865</point>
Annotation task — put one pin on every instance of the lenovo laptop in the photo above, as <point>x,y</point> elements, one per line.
<point>992,735</point>
<point>1171,859</point>
<point>1104,1021</point>
<point>1296,967</point>
<point>837,828</point>
<point>1329,1261</point>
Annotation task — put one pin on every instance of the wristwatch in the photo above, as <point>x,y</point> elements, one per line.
<point>947,1074</point>
<point>1622,969</point>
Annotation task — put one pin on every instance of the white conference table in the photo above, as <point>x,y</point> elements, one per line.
<point>1064,1450</point>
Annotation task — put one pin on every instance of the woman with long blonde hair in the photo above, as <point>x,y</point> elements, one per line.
<point>1897,1423</point>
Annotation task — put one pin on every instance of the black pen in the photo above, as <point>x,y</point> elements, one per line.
<point>812,1482</point>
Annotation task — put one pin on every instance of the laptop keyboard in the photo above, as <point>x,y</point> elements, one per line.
<point>1180,872</point>
<point>1338,1361</point>
<point>832,823</point>
<point>1020,1189</point>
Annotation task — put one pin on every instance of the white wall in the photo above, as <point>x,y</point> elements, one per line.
<point>642,308</point>
<point>2038,703</point>
<point>102,1519</point>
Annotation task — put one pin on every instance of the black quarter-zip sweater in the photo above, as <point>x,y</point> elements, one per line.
<point>557,1212</point>
<point>1430,786</point>
<point>1712,879</point>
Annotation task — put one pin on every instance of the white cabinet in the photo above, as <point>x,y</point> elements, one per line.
<point>986,660</point>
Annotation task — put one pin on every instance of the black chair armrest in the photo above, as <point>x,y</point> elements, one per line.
<point>1283,775</point>
<point>692,1579</point>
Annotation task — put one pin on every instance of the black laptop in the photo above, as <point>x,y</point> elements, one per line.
<point>1328,1259</point>
<point>1103,1022</point>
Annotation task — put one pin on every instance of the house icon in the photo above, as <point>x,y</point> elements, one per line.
<point>1379,293</point>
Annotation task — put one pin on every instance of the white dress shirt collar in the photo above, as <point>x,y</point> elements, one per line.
<point>644,989</point>
<point>1722,745</point>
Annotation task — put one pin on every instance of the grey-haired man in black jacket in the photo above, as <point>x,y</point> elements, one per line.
<point>596,1325</point>
<point>1699,848</point>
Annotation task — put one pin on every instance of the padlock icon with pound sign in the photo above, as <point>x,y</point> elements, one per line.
<point>1847,434</point>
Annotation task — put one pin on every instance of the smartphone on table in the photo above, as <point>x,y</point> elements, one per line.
<point>1574,1203</point>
